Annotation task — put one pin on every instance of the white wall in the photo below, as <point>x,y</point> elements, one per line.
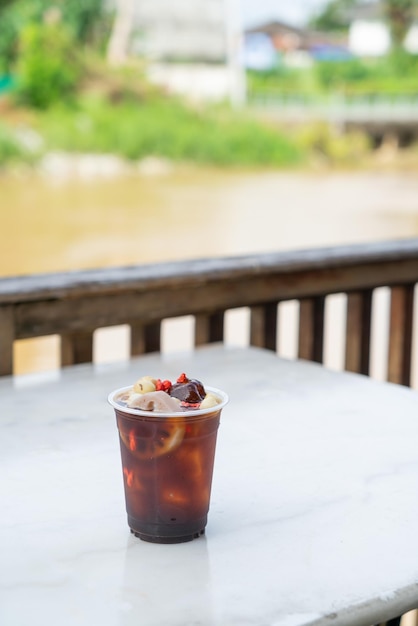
<point>184,29</point>
<point>372,38</point>
<point>198,82</point>
<point>368,38</point>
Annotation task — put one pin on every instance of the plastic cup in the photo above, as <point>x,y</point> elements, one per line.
<point>167,465</point>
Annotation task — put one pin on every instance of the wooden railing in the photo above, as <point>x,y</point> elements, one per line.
<point>75,304</point>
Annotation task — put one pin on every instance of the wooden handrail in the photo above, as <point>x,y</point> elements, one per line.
<point>198,271</point>
<point>74,304</point>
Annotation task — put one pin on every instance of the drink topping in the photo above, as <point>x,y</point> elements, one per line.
<point>154,394</point>
<point>153,401</point>
<point>189,391</point>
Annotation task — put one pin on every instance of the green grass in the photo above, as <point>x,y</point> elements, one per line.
<point>166,128</point>
<point>394,74</point>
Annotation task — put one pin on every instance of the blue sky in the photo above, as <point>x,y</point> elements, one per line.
<point>294,12</point>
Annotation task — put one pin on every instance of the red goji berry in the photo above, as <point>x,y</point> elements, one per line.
<point>190,405</point>
<point>163,385</point>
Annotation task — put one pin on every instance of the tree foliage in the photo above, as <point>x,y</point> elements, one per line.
<point>4,4</point>
<point>337,14</point>
<point>399,15</point>
<point>48,66</point>
<point>86,19</point>
<point>334,16</point>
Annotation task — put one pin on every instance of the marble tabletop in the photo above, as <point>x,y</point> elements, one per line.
<point>314,509</point>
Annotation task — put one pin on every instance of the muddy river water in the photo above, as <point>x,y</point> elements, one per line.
<point>52,225</point>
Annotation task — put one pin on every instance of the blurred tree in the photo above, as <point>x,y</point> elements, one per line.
<point>5,3</point>
<point>399,15</point>
<point>334,16</point>
<point>87,19</point>
<point>82,17</point>
<point>48,67</point>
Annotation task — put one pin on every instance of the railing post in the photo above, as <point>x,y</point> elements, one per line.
<point>263,326</point>
<point>209,328</point>
<point>145,338</point>
<point>7,336</point>
<point>357,351</point>
<point>76,348</point>
<point>400,334</point>
<point>311,329</point>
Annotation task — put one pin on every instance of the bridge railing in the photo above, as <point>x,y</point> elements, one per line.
<point>354,108</point>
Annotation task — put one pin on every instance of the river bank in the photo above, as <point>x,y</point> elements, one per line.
<point>60,165</point>
<point>95,135</point>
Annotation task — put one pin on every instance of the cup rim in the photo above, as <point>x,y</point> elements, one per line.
<point>160,414</point>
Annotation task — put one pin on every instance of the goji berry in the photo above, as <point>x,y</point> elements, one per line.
<point>190,405</point>
<point>163,385</point>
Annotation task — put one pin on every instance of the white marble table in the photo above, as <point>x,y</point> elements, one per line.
<point>314,514</point>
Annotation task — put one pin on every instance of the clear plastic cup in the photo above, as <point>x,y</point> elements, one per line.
<point>167,464</point>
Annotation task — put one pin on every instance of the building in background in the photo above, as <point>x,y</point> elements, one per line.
<point>191,47</point>
<point>180,30</point>
<point>259,53</point>
<point>293,46</point>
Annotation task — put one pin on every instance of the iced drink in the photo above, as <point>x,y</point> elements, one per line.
<point>167,438</point>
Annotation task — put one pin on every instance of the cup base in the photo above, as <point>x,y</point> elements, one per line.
<point>167,533</point>
<point>154,539</point>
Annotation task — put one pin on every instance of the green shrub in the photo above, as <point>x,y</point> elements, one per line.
<point>11,150</point>
<point>339,73</point>
<point>335,147</point>
<point>88,20</point>
<point>400,61</point>
<point>282,80</point>
<point>165,128</point>
<point>48,69</point>
<point>395,73</point>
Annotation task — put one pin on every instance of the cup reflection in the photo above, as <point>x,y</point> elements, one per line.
<point>167,584</point>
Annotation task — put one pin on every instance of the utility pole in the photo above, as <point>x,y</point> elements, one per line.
<point>234,53</point>
<point>118,47</point>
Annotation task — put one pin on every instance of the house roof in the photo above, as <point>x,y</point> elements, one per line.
<point>275,28</point>
<point>308,38</point>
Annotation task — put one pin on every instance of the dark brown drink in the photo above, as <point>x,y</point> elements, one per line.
<point>167,463</point>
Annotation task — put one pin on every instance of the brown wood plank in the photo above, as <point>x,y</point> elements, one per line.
<point>263,326</point>
<point>265,285</point>
<point>73,314</point>
<point>7,336</point>
<point>209,328</point>
<point>311,329</point>
<point>364,262</point>
<point>400,334</point>
<point>76,348</point>
<point>357,350</point>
